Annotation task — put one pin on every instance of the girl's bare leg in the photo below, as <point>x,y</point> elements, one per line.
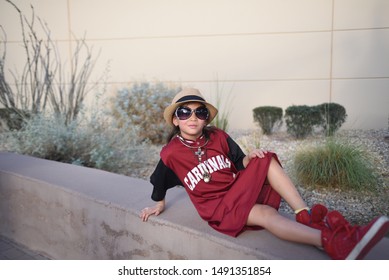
<point>282,184</point>
<point>282,227</point>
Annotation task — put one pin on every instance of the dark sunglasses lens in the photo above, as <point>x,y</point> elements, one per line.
<point>183,113</point>
<point>202,113</point>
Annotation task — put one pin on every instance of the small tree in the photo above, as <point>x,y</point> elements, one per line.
<point>268,117</point>
<point>301,120</point>
<point>333,116</point>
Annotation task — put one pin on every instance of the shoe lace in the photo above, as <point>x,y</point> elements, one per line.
<point>346,227</point>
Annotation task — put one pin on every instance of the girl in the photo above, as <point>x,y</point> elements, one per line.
<point>234,192</point>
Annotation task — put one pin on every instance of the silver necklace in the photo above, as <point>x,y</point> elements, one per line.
<point>199,153</point>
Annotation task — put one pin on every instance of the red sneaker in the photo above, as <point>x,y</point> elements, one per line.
<point>344,241</point>
<point>313,218</point>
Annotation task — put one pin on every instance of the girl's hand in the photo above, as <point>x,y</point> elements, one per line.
<point>260,153</point>
<point>257,153</point>
<point>155,210</point>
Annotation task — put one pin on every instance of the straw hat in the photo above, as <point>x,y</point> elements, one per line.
<point>185,96</point>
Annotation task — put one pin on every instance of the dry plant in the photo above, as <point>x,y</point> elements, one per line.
<point>250,142</point>
<point>45,82</point>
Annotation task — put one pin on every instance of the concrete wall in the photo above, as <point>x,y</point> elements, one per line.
<point>262,52</point>
<point>71,212</point>
<point>65,211</point>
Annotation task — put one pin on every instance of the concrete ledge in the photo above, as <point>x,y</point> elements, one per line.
<point>65,211</point>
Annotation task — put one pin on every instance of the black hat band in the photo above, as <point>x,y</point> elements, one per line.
<point>190,97</point>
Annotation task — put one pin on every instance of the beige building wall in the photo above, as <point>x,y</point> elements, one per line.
<point>259,52</point>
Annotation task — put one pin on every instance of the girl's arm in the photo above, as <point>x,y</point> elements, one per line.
<point>155,210</point>
<point>162,179</point>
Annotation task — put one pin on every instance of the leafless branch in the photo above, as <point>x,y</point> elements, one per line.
<point>45,83</point>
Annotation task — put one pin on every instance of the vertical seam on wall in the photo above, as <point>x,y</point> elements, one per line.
<point>69,35</point>
<point>332,49</point>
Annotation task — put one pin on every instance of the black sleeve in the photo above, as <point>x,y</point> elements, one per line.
<point>236,154</point>
<point>163,178</point>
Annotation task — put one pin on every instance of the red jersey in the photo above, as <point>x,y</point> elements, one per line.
<point>226,200</point>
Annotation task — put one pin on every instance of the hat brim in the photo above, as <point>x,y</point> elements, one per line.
<point>168,114</point>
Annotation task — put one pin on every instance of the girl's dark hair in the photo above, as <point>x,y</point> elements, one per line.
<point>175,130</point>
<point>207,131</point>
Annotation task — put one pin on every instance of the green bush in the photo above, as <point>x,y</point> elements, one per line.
<point>268,118</point>
<point>301,120</point>
<point>333,116</point>
<point>336,165</point>
<point>142,106</point>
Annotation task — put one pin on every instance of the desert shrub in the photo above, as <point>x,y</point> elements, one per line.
<point>142,106</point>
<point>301,120</point>
<point>268,118</point>
<point>333,116</point>
<point>47,137</point>
<point>91,140</point>
<point>335,164</point>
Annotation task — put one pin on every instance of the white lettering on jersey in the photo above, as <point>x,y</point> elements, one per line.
<point>210,165</point>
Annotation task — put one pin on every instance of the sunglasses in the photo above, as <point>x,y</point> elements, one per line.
<point>184,113</point>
